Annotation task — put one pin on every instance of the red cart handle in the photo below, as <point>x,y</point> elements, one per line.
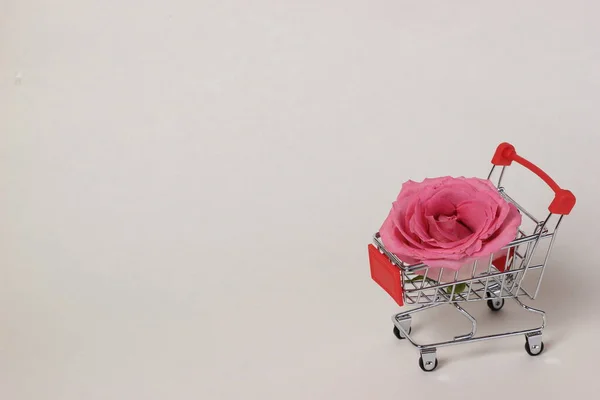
<point>564,200</point>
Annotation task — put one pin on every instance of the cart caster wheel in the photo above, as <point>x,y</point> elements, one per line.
<point>533,343</point>
<point>428,365</point>
<point>534,350</point>
<point>398,334</point>
<point>495,304</point>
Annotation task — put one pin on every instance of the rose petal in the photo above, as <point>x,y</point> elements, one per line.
<point>505,233</point>
<point>475,214</point>
<point>443,238</point>
<point>443,203</point>
<point>445,222</point>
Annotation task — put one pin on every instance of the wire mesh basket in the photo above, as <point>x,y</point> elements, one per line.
<point>493,279</point>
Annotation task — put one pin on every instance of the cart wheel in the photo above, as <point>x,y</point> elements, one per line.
<point>534,350</point>
<point>398,334</point>
<point>495,304</point>
<point>428,366</point>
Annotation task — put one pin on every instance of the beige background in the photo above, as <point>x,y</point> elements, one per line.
<point>187,189</point>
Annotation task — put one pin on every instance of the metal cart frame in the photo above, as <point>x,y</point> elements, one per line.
<point>498,279</point>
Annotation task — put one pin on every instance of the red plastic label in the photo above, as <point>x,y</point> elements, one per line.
<point>385,274</point>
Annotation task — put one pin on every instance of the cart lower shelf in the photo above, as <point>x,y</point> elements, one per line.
<point>428,352</point>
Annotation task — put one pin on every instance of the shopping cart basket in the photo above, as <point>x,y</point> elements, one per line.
<point>498,278</point>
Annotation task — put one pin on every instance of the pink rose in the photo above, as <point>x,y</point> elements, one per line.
<point>447,222</point>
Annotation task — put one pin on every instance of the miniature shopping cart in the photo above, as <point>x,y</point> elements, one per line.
<point>500,277</point>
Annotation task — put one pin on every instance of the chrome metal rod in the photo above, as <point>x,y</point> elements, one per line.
<point>520,207</point>
<point>491,172</point>
<point>550,246</point>
<point>467,338</point>
<point>479,279</point>
<point>470,318</point>
<point>501,176</point>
